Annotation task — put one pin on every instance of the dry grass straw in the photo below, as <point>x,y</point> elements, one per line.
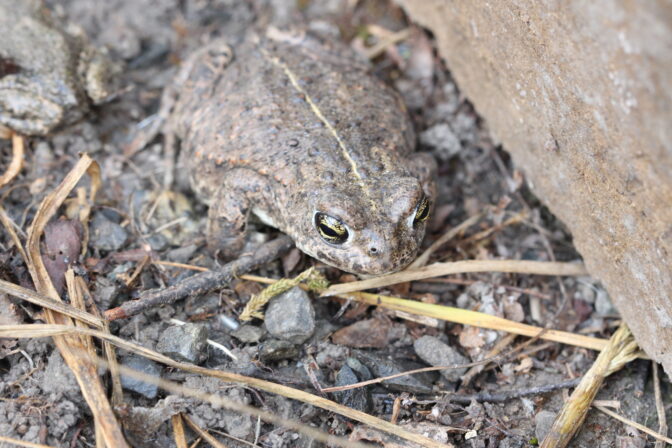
<point>476,319</point>
<point>460,267</point>
<point>620,350</point>
<point>44,330</point>
<point>178,431</point>
<point>205,435</point>
<point>17,160</point>
<point>16,442</point>
<point>85,371</point>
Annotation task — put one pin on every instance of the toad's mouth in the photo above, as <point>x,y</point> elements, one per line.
<point>362,268</point>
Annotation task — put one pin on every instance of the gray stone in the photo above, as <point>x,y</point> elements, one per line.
<point>359,398</point>
<point>184,342</point>
<point>291,316</point>
<point>106,234</point>
<point>143,365</point>
<point>543,422</point>
<point>276,350</point>
<point>158,242</point>
<point>248,334</point>
<point>436,353</point>
<point>420,383</point>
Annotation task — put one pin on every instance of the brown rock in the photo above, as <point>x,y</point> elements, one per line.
<point>580,93</point>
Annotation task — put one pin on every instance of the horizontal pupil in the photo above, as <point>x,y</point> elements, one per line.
<point>329,231</point>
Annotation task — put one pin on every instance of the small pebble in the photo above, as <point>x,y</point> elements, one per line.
<point>184,342</point>
<point>436,353</point>
<point>290,316</point>
<point>277,350</point>
<point>143,365</point>
<point>248,334</point>
<point>106,234</point>
<point>358,399</point>
<point>420,383</point>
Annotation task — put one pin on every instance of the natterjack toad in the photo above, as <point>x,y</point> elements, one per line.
<point>297,131</point>
<point>47,75</point>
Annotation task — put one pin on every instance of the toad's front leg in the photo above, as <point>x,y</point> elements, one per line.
<point>241,190</point>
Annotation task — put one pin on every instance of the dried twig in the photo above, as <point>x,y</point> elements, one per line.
<point>457,267</point>
<point>509,395</point>
<point>204,282</point>
<point>635,425</point>
<point>388,41</point>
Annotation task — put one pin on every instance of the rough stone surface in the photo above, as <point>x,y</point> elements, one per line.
<point>436,353</point>
<point>579,93</point>
<point>184,342</point>
<point>291,316</point>
<point>145,366</point>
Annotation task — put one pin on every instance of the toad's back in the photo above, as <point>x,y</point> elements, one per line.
<point>303,119</point>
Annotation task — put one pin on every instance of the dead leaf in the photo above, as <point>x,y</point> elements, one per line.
<point>471,337</point>
<point>62,245</point>
<point>365,333</point>
<point>524,366</point>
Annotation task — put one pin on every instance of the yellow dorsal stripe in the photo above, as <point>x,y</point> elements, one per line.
<point>318,113</point>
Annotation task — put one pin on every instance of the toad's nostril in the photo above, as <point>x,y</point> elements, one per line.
<point>373,250</point>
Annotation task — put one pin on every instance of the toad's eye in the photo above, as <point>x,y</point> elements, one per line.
<point>332,230</point>
<point>422,212</point>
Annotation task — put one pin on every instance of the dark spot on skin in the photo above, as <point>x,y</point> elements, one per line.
<point>8,67</point>
<point>293,143</point>
<point>356,267</point>
<point>328,175</point>
<point>313,152</point>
